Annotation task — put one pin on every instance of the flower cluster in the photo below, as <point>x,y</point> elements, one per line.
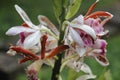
<point>82,38</point>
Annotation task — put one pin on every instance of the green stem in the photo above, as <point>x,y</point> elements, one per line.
<point>57,65</point>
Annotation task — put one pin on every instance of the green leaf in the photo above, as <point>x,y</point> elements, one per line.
<point>73,8</point>
<point>57,6</point>
<point>106,75</point>
<point>72,75</point>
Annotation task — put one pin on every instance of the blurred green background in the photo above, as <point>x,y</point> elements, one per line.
<point>9,17</point>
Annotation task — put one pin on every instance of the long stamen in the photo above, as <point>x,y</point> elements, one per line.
<point>98,14</point>
<point>56,51</point>
<point>25,59</point>
<point>24,51</point>
<point>91,8</point>
<point>43,43</point>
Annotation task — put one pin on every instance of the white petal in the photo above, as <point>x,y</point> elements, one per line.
<point>25,17</point>
<point>85,68</point>
<point>85,28</point>
<point>79,20</point>
<point>18,29</point>
<point>11,52</point>
<point>35,66</point>
<point>80,50</point>
<point>76,37</point>
<point>32,40</point>
<point>86,77</point>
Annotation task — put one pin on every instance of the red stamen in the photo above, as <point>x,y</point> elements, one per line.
<point>91,8</point>
<point>98,14</point>
<point>24,51</point>
<point>43,43</point>
<point>25,59</point>
<point>57,50</point>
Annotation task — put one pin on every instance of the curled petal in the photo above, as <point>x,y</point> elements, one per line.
<point>102,60</point>
<point>32,40</point>
<point>25,17</point>
<point>76,37</point>
<point>85,68</point>
<point>85,28</point>
<point>18,29</point>
<point>100,44</point>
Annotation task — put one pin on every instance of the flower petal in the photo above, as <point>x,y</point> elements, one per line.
<point>100,44</point>
<point>102,60</point>
<point>85,68</point>
<point>85,28</point>
<point>32,40</point>
<point>18,29</point>
<point>25,17</point>
<point>76,37</point>
<point>80,50</point>
<point>79,20</point>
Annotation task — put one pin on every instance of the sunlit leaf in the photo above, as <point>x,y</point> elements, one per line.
<point>105,75</point>
<point>108,75</point>
<point>73,8</point>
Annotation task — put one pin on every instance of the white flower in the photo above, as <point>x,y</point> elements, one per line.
<point>30,34</point>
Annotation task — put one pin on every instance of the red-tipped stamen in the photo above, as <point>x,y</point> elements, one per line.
<point>91,8</point>
<point>56,51</point>
<point>24,51</point>
<point>98,14</point>
<point>43,43</point>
